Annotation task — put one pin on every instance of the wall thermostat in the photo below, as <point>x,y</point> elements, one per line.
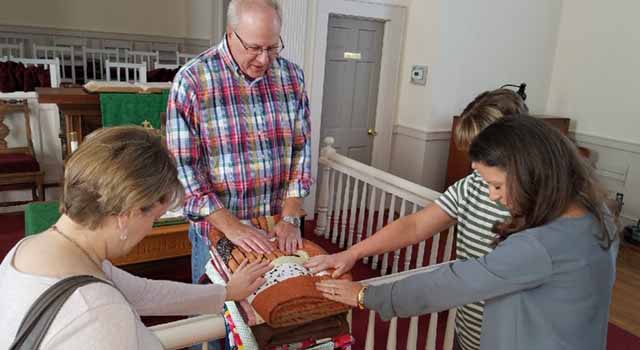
<point>419,75</point>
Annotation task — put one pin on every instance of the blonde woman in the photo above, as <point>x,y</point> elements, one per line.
<point>115,186</point>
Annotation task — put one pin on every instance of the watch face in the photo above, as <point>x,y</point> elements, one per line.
<point>293,220</point>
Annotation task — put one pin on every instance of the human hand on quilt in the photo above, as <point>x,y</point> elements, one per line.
<point>289,237</point>
<point>342,291</point>
<point>247,278</point>
<point>250,239</point>
<point>342,262</point>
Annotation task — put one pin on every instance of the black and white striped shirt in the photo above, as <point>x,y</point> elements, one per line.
<point>468,202</point>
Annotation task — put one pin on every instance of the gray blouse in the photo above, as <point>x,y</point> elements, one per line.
<point>547,287</point>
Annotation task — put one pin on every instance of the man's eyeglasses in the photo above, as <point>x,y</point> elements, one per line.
<point>256,50</point>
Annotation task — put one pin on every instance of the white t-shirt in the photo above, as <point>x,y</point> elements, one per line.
<point>99,316</point>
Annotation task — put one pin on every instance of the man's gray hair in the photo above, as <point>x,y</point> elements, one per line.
<point>236,6</point>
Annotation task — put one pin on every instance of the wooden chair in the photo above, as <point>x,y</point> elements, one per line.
<point>147,57</point>
<point>159,65</point>
<point>18,165</point>
<point>67,58</point>
<point>136,72</point>
<point>183,57</point>
<point>93,61</point>
<point>52,64</point>
<point>12,50</point>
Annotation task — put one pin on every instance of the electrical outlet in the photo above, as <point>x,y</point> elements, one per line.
<point>419,75</point>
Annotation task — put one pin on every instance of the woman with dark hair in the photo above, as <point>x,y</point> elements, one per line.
<point>456,206</point>
<point>547,285</point>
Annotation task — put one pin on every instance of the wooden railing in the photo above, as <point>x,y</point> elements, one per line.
<point>356,200</point>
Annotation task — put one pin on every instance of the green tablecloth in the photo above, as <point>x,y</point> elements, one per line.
<point>39,216</point>
<point>129,108</point>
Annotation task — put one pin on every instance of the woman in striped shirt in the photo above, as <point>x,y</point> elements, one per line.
<point>465,203</point>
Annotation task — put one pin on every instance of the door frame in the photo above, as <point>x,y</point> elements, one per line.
<point>393,14</point>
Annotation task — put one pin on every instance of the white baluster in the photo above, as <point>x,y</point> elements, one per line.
<point>449,330</point>
<point>353,214</point>
<point>390,219</point>
<point>323,202</point>
<point>330,217</point>
<point>362,212</point>
<point>372,204</point>
<point>409,252</point>
<point>431,332</point>
<point>371,334</point>
<point>396,254</point>
<point>412,342</point>
<point>435,245</point>
<point>392,338</point>
<point>336,211</point>
<point>412,336</point>
<point>380,222</point>
<point>345,213</point>
<point>448,248</point>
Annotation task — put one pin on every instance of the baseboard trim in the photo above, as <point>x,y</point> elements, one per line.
<point>422,135</point>
<point>621,145</point>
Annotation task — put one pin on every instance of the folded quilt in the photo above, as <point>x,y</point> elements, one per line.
<point>288,297</point>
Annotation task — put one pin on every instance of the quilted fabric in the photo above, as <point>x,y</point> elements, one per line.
<point>289,296</point>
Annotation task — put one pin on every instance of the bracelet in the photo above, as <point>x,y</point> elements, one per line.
<point>361,298</point>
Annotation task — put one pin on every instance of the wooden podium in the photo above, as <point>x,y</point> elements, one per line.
<point>80,109</point>
<point>163,243</point>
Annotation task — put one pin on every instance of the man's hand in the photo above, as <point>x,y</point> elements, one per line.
<point>244,236</point>
<point>289,237</point>
<point>249,238</point>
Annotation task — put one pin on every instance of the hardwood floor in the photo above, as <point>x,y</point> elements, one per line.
<point>625,304</point>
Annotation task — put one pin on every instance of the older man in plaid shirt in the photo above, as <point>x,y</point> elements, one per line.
<point>238,124</point>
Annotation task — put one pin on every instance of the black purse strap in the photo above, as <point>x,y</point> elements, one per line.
<point>41,314</point>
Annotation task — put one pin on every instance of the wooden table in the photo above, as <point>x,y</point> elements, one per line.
<point>81,111</point>
<point>163,243</point>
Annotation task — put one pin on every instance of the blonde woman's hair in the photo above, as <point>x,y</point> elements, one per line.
<point>485,109</point>
<point>115,171</point>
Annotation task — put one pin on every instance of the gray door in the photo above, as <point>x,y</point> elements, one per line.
<point>354,50</point>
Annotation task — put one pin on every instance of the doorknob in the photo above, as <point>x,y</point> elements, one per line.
<point>372,132</point>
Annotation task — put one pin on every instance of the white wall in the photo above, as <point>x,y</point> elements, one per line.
<point>595,82</point>
<point>200,19</point>
<point>184,18</point>
<point>596,77</point>
<point>469,46</point>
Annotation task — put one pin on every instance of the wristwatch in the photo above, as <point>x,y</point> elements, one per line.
<point>292,219</point>
<point>360,299</point>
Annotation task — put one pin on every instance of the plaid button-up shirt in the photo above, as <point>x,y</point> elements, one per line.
<point>239,144</point>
